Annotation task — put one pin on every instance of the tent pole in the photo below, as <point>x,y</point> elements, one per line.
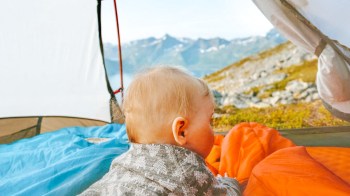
<point>119,53</point>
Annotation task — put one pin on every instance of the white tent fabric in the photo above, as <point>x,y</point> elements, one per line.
<point>50,60</point>
<point>319,26</point>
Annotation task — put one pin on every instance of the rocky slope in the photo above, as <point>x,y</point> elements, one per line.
<point>282,75</point>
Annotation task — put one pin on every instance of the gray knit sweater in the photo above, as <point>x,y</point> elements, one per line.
<point>158,169</point>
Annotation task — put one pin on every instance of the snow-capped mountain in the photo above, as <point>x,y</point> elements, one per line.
<point>200,56</point>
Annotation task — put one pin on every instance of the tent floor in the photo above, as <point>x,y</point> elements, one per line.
<point>319,136</point>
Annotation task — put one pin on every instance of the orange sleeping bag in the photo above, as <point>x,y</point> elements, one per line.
<point>336,159</point>
<point>269,164</point>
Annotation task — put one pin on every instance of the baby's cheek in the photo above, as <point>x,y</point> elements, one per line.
<point>212,140</point>
<point>207,151</point>
<point>209,142</point>
<point>211,135</point>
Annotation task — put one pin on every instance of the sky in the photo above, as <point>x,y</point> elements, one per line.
<point>194,19</point>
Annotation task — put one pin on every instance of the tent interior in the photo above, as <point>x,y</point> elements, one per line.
<point>53,80</point>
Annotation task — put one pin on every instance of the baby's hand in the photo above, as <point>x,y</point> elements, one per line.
<point>225,175</point>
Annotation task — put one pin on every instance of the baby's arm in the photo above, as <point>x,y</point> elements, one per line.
<point>231,184</point>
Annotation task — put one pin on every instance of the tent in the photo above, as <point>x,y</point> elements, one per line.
<point>53,76</point>
<point>52,68</point>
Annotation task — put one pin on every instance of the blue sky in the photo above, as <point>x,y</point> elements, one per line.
<point>183,18</point>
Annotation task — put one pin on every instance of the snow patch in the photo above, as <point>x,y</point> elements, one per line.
<point>212,49</point>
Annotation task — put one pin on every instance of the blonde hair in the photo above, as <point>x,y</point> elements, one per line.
<point>155,97</point>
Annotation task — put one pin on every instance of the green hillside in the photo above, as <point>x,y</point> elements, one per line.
<point>281,117</point>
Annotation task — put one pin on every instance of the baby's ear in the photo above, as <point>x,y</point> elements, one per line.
<point>179,130</point>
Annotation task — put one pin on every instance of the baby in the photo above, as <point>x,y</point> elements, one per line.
<point>167,116</point>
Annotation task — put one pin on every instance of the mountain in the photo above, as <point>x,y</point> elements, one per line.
<point>200,56</point>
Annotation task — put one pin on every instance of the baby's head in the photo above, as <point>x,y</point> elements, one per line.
<point>166,105</point>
